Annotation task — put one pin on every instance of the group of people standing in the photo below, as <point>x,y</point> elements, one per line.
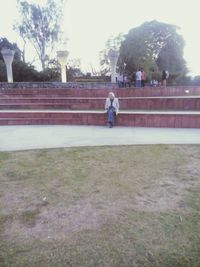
<point>140,79</point>
<point>124,80</point>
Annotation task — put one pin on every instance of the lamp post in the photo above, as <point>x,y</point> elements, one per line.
<point>113,56</point>
<point>8,56</point>
<point>62,59</point>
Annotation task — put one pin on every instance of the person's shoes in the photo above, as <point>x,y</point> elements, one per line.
<point>110,125</point>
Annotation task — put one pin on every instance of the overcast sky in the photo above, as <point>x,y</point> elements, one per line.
<point>89,23</point>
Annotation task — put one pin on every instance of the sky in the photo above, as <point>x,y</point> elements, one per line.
<point>89,23</point>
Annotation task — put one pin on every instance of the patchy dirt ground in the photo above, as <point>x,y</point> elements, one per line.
<point>58,196</point>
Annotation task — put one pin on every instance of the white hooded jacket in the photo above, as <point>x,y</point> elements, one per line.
<point>115,104</point>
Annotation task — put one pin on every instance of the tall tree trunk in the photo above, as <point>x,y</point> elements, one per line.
<point>43,55</point>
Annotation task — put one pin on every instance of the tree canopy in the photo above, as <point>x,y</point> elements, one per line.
<point>41,25</point>
<point>154,46</point>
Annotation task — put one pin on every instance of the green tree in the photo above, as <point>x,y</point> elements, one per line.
<point>154,46</point>
<point>41,25</point>
<point>23,72</point>
<point>2,71</point>
<point>74,69</point>
<point>171,56</point>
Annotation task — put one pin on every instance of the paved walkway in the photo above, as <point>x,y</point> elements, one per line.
<point>33,137</point>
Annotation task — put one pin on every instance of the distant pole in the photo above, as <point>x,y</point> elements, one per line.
<point>8,56</point>
<point>62,59</point>
<point>113,56</point>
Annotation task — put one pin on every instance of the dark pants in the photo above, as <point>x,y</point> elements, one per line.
<point>120,84</point>
<point>111,116</point>
<point>127,84</point>
<point>143,83</point>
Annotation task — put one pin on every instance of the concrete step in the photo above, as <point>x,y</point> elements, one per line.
<point>139,118</point>
<point>120,92</point>
<point>151,103</point>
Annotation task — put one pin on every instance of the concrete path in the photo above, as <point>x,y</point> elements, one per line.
<point>34,137</point>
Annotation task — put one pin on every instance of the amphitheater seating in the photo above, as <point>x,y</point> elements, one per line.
<point>146,107</point>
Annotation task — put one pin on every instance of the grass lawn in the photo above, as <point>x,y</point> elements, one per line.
<point>100,206</point>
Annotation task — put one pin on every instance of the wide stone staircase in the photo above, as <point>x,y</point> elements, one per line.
<point>176,107</point>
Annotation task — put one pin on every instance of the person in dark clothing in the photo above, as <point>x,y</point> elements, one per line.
<point>165,76</point>
<point>143,77</point>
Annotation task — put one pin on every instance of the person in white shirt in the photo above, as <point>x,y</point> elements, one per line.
<point>111,108</point>
<point>138,78</point>
<point>120,80</point>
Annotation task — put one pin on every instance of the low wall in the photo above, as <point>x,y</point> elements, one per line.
<point>87,85</point>
<point>96,90</point>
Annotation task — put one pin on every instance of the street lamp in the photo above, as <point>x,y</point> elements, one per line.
<point>113,56</point>
<point>62,59</point>
<point>8,56</point>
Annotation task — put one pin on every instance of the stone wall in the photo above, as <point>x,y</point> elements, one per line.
<point>87,85</point>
